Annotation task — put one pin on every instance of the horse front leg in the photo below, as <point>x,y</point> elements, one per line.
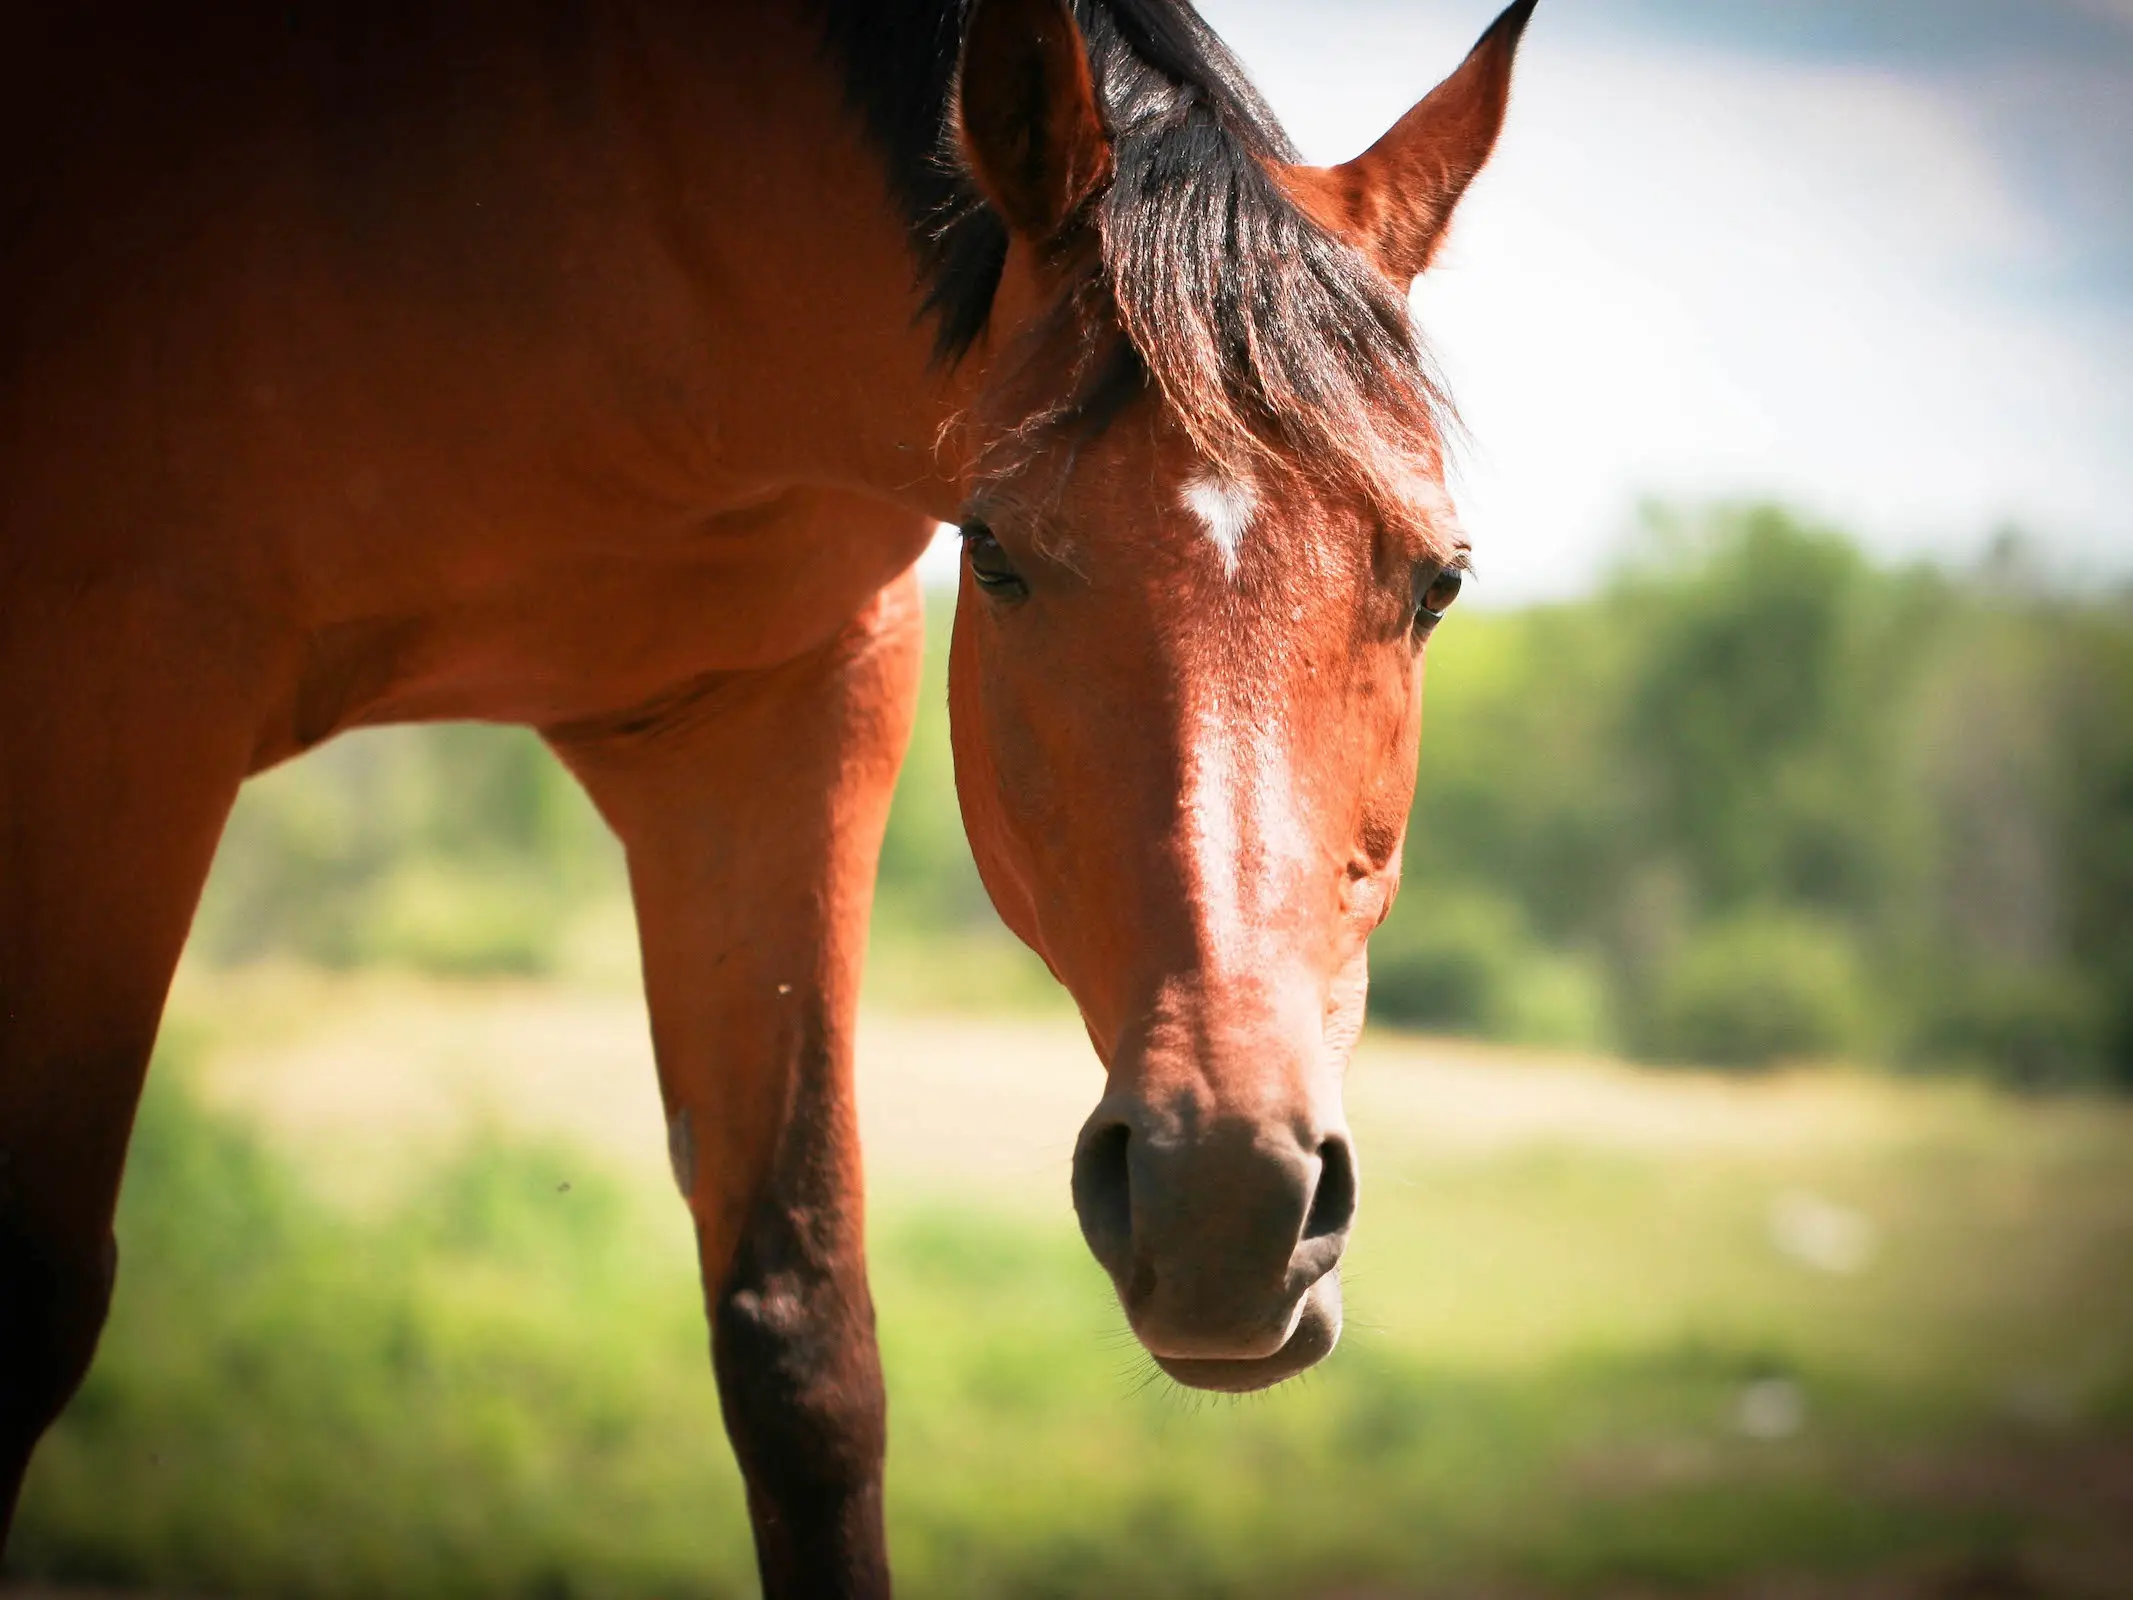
<point>125,729</point>
<point>752,811</point>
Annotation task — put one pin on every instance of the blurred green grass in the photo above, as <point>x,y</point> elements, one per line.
<point>1897,1351</point>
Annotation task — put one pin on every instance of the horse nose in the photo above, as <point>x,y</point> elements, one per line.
<point>1213,1238</point>
<point>1332,1211</point>
<point>1103,1193</point>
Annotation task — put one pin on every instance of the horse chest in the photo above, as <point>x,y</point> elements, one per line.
<point>594,633</point>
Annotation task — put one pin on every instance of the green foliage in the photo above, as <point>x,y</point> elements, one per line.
<point>1739,717</point>
<point>1468,964</point>
<point>1757,988</point>
<point>1789,804</point>
<point>455,849</point>
<point>2038,1030</point>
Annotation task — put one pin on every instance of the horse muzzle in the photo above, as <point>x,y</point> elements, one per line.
<point>1222,1234</point>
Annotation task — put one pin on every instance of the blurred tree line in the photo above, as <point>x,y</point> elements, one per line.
<point>1758,799</point>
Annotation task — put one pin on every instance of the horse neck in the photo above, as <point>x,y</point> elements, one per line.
<point>813,309</point>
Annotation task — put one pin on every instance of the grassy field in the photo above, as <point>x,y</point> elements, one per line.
<point>407,1310</point>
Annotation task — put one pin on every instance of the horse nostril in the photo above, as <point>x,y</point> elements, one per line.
<point>1103,1196</point>
<point>1333,1207</point>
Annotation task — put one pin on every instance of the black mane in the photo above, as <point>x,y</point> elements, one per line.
<point>1259,326</point>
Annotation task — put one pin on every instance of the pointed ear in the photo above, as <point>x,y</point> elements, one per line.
<point>1027,113</point>
<point>1394,202</point>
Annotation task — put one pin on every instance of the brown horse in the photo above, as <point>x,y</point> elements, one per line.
<point>602,366</point>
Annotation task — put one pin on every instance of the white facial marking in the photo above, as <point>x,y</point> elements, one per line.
<point>1246,831</point>
<point>1225,510</point>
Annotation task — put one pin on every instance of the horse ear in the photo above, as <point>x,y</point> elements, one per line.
<point>1027,112</point>
<point>1395,200</point>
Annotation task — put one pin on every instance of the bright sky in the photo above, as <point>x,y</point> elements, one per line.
<point>1872,256</point>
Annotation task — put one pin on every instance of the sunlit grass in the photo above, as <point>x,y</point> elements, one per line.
<point>1897,1340</point>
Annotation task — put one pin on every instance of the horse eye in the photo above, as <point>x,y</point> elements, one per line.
<point>1435,590</point>
<point>989,564</point>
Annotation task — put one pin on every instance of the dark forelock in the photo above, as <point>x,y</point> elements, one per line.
<point>1270,338</point>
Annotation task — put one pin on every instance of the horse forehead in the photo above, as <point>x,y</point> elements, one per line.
<point>1235,514</point>
<point>1273,528</point>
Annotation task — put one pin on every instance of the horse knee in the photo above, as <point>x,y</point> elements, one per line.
<point>53,1301</point>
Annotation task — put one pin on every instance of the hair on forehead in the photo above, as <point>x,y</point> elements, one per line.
<point>1275,343</point>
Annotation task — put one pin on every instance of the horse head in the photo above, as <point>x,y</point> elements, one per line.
<point>1207,541</point>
